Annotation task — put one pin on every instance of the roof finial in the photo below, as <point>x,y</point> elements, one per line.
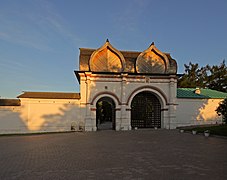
<point>107,40</point>
<point>152,44</point>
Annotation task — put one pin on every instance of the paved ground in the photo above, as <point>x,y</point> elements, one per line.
<point>141,154</point>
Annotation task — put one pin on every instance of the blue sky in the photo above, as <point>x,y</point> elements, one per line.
<point>40,39</point>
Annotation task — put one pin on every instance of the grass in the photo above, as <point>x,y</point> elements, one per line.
<point>220,130</point>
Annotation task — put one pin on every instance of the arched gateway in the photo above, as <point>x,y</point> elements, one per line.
<point>136,89</point>
<point>145,111</point>
<point>105,113</point>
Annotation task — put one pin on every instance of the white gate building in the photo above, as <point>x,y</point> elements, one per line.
<point>124,90</point>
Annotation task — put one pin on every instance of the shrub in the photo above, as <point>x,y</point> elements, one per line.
<point>222,110</point>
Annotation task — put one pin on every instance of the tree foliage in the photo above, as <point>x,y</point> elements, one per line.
<point>212,77</point>
<point>222,109</point>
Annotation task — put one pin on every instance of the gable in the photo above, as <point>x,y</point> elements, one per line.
<point>109,59</point>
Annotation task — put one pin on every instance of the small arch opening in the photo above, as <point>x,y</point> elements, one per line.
<point>105,114</point>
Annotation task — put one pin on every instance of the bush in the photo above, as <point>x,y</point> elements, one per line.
<point>222,110</point>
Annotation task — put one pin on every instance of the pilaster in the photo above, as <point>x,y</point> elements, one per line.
<point>125,117</point>
<point>172,102</point>
<point>90,124</point>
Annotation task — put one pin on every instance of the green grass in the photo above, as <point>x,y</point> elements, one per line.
<point>220,130</point>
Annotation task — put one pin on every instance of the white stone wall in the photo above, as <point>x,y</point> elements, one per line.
<point>197,112</point>
<point>54,115</point>
<point>41,115</point>
<point>51,115</point>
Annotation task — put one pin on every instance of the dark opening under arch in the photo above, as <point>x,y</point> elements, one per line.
<point>145,111</point>
<point>105,113</point>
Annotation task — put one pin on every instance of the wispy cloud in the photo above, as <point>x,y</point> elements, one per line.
<point>20,74</point>
<point>13,65</point>
<point>131,16</point>
<point>35,26</point>
<point>57,22</point>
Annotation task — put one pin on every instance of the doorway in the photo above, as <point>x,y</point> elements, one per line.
<point>105,114</point>
<point>145,111</point>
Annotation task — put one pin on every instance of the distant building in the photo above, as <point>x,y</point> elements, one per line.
<point>119,90</point>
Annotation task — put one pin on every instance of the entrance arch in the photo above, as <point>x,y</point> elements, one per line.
<point>105,113</point>
<point>145,110</point>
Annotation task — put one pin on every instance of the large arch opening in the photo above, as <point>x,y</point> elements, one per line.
<point>145,111</point>
<point>105,113</point>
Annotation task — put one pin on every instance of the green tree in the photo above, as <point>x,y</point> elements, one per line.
<point>217,79</point>
<point>193,77</point>
<point>212,77</point>
<point>222,110</point>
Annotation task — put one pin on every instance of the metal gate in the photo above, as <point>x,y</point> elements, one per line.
<point>145,111</point>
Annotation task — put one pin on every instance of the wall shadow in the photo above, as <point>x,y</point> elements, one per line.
<point>11,121</point>
<point>26,119</point>
<point>197,111</point>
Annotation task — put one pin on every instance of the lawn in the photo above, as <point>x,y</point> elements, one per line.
<point>220,130</point>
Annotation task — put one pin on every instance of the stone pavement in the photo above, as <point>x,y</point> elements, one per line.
<point>141,154</point>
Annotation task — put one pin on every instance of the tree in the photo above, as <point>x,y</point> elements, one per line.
<point>212,77</point>
<point>218,77</point>
<point>193,77</point>
<point>222,110</point>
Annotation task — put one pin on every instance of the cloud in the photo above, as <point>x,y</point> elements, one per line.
<point>37,25</point>
<point>13,65</point>
<point>131,16</point>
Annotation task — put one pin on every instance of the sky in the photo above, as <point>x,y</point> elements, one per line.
<point>40,39</point>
